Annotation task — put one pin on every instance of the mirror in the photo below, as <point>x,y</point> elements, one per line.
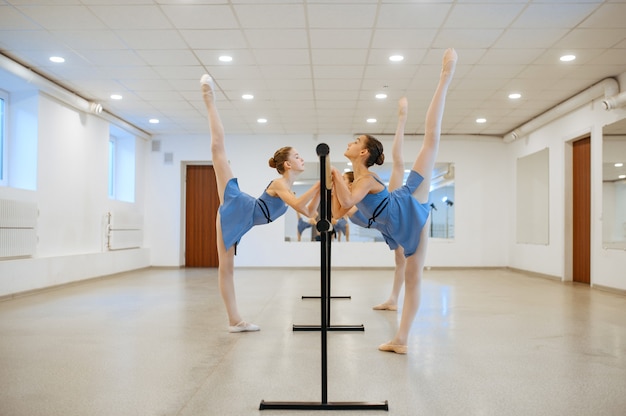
<point>441,203</point>
<point>533,196</point>
<point>614,185</point>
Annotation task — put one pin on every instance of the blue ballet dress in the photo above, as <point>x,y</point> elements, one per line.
<point>340,226</point>
<point>240,212</point>
<point>303,225</point>
<point>397,214</point>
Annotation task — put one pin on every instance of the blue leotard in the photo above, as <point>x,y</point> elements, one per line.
<point>303,225</point>
<point>359,219</point>
<point>240,212</point>
<point>397,214</point>
<point>340,226</point>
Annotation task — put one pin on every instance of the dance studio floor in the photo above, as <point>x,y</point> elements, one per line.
<point>154,342</point>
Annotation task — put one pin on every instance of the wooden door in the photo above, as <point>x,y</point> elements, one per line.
<point>201,204</point>
<point>581,181</point>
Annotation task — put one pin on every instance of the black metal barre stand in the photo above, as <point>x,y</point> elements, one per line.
<point>324,226</point>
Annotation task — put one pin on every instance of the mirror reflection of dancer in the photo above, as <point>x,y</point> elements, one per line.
<point>303,224</point>
<point>239,212</point>
<point>404,213</point>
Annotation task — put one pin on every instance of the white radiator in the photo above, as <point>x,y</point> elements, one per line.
<point>124,230</point>
<point>18,228</point>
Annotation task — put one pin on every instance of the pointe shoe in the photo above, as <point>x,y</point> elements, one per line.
<point>243,326</point>
<point>397,348</point>
<point>385,307</point>
<point>207,80</point>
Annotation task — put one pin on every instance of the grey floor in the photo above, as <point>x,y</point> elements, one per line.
<point>154,342</point>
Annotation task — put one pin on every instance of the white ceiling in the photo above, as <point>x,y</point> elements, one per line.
<point>314,66</point>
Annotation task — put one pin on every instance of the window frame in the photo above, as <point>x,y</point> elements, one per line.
<point>4,137</point>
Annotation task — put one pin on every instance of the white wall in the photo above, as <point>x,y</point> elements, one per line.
<point>607,265</point>
<point>72,180</point>
<point>71,194</point>
<point>482,185</point>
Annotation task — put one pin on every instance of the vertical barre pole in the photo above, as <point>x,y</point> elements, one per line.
<point>324,227</point>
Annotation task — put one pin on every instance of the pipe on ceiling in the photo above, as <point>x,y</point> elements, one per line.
<point>616,101</point>
<point>607,87</point>
<point>75,101</point>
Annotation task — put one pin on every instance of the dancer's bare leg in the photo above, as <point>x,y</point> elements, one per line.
<point>412,295</point>
<point>223,174</point>
<point>424,164</point>
<point>425,161</point>
<point>395,181</point>
<point>226,273</point>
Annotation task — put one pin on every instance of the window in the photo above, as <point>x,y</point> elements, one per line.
<point>4,99</point>
<point>121,165</point>
<point>112,142</point>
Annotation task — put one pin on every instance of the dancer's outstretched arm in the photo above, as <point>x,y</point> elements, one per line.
<point>425,161</point>
<point>305,204</point>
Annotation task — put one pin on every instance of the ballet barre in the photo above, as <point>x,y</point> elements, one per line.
<point>324,226</point>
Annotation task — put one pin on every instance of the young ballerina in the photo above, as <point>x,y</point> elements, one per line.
<point>404,213</point>
<point>239,212</point>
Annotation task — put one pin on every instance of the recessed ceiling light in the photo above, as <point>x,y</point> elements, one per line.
<point>261,120</point>
<point>247,96</point>
<point>381,96</point>
<point>621,177</point>
<point>225,58</point>
<point>371,120</point>
<point>515,95</point>
<point>481,120</point>
<point>567,58</point>
<point>396,58</point>
<point>618,165</point>
<point>57,59</point>
<point>154,121</point>
<point>116,97</point>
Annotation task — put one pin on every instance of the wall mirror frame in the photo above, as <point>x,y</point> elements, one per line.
<point>614,185</point>
<point>441,202</point>
<point>533,198</point>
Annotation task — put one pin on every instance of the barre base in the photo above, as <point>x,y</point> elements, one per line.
<point>324,406</point>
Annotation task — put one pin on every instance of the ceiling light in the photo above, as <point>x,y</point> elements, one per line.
<point>261,120</point>
<point>621,177</point>
<point>116,97</point>
<point>247,96</point>
<point>618,165</point>
<point>371,120</point>
<point>481,120</point>
<point>396,58</point>
<point>515,95</point>
<point>57,59</point>
<point>225,58</point>
<point>154,121</point>
<point>381,96</point>
<point>567,58</point>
